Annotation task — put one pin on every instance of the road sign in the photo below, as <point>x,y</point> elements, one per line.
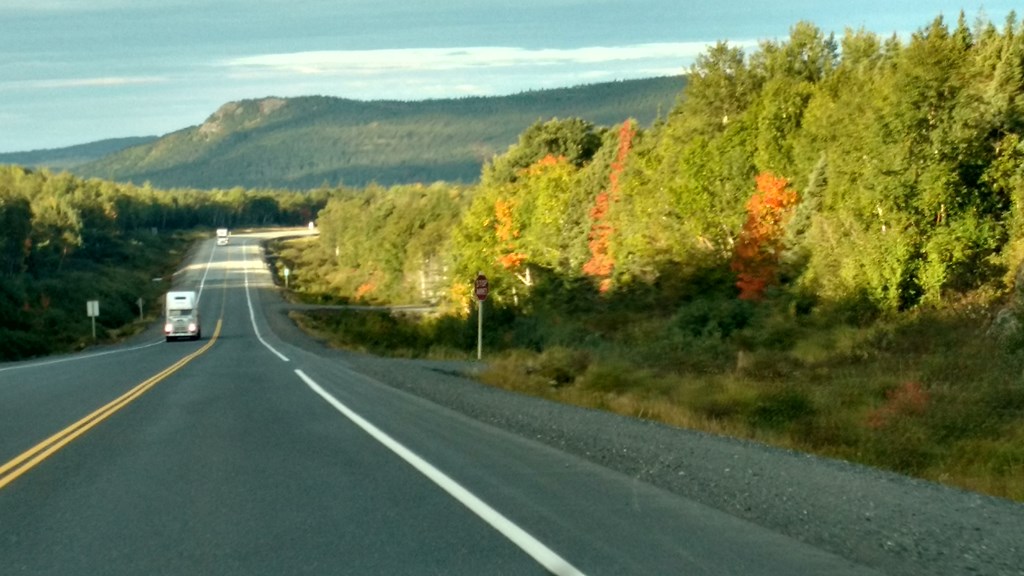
<point>92,308</point>
<point>481,287</point>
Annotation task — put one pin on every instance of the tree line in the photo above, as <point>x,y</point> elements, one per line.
<point>862,174</point>
<point>64,240</point>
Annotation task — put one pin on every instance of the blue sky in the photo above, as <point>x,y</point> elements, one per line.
<point>76,71</point>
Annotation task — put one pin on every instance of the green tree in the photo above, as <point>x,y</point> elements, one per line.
<point>791,71</point>
<point>554,235</point>
<point>682,199</point>
<point>56,233</point>
<point>15,232</point>
<point>720,89</point>
<point>573,139</point>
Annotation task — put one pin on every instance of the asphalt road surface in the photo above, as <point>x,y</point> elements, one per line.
<point>257,451</point>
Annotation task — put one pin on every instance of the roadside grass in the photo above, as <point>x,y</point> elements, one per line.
<point>928,394</point>
<point>384,333</point>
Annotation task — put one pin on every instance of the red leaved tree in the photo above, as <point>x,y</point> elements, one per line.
<point>507,232</point>
<point>756,257</point>
<point>601,262</point>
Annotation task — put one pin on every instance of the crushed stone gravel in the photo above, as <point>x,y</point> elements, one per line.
<point>896,524</point>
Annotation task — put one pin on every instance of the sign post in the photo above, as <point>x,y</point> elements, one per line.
<point>140,302</point>
<point>480,290</point>
<point>92,308</point>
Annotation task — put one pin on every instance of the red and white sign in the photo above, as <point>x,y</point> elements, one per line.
<point>481,287</point>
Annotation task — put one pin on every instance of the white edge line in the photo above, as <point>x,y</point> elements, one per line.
<point>80,357</point>
<point>252,313</point>
<point>536,549</point>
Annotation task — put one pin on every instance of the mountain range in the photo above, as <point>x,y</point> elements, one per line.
<point>313,141</point>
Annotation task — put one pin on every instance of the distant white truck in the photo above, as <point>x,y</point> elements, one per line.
<point>181,317</point>
<point>222,236</point>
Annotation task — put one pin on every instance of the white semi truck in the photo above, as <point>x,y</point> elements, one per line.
<point>181,317</point>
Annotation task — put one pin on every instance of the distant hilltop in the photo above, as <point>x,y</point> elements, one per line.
<point>313,141</point>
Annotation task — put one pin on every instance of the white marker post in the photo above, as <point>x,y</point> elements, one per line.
<point>92,308</point>
<point>287,273</point>
<point>480,290</point>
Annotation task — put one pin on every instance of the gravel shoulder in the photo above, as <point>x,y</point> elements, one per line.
<point>896,524</point>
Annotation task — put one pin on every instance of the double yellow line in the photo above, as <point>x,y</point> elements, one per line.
<point>10,471</point>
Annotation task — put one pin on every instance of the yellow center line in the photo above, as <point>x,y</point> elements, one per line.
<point>10,471</point>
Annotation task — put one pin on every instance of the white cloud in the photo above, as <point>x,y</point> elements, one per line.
<point>65,5</point>
<point>390,61</point>
<point>99,82</point>
<point>92,6</point>
<point>426,73</point>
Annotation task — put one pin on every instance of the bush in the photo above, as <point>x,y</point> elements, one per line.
<point>778,409</point>
<point>451,332</point>
<point>561,365</point>
<point>15,345</point>
<point>612,377</point>
<point>714,317</point>
<point>721,406</point>
<point>905,446</point>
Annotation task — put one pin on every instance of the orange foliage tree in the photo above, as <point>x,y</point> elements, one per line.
<point>507,232</point>
<point>601,262</point>
<point>756,256</point>
<point>539,166</point>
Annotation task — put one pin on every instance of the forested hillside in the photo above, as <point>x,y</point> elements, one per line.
<point>71,156</point>
<point>820,245</point>
<point>303,143</point>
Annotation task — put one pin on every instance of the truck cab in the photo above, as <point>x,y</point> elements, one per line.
<point>222,236</point>
<point>181,316</point>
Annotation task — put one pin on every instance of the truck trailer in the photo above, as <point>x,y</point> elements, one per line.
<point>181,317</point>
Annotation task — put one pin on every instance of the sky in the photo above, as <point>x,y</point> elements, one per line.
<point>78,71</point>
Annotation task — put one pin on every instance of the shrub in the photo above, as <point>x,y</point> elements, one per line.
<point>721,406</point>
<point>778,409</point>
<point>15,345</point>
<point>904,446</point>
<point>612,377</point>
<point>909,399</point>
<point>714,317</point>
<point>562,365</point>
<point>899,437</point>
<point>451,332</point>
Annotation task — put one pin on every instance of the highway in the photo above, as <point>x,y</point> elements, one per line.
<point>255,451</point>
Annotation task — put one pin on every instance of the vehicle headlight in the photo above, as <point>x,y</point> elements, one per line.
<point>168,328</point>
<point>191,326</point>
